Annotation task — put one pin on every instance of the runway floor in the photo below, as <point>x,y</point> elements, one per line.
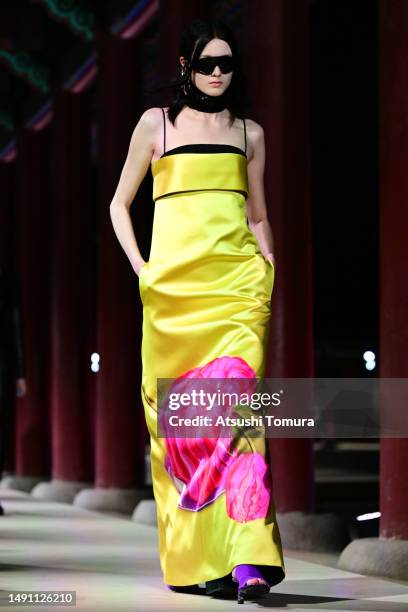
<point>112,564</point>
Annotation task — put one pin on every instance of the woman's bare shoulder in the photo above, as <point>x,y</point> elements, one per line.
<point>151,117</point>
<point>255,129</point>
<point>255,136</point>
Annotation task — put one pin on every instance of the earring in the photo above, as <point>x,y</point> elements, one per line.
<point>186,87</point>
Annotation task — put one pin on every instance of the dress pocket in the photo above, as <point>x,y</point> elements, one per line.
<point>142,273</point>
<point>269,269</point>
<point>267,262</point>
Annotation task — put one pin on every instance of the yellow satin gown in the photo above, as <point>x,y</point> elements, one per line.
<point>206,292</point>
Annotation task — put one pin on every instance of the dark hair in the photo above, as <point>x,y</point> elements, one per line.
<point>194,38</point>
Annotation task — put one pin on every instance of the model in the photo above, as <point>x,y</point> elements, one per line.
<point>206,292</point>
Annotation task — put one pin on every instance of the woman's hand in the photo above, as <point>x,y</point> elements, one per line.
<point>140,267</point>
<point>137,162</point>
<point>271,258</point>
<point>258,221</point>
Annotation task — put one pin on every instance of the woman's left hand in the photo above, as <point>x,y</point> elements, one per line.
<point>271,258</point>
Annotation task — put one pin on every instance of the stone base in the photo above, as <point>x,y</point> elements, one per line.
<point>145,513</point>
<point>312,532</point>
<point>115,501</point>
<point>58,490</point>
<point>376,557</point>
<point>20,483</point>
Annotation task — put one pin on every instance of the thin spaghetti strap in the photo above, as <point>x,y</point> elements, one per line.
<point>164,131</point>
<point>245,135</point>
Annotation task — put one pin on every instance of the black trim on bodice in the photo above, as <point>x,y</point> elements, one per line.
<point>202,147</point>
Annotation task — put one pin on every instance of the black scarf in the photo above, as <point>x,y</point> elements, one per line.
<point>200,101</point>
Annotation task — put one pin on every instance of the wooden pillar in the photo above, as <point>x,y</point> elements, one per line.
<point>278,47</point>
<point>393,252</point>
<point>7,265</point>
<point>279,76</point>
<point>388,554</point>
<point>69,368</point>
<point>119,419</point>
<point>32,202</point>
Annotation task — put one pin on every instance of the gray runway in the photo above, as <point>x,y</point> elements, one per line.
<point>112,564</point>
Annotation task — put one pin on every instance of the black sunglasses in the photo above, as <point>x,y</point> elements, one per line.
<point>206,65</point>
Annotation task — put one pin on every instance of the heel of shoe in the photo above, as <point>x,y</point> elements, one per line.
<point>252,591</point>
<point>243,573</point>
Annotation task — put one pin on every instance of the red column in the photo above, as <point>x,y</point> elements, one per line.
<point>393,252</point>
<point>7,232</point>
<point>278,71</point>
<point>277,46</point>
<point>7,206</point>
<point>32,450</point>
<point>120,429</point>
<point>71,299</point>
<point>387,555</point>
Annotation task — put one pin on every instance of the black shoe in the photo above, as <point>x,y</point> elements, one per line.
<point>1,510</point>
<point>243,573</point>
<point>223,588</point>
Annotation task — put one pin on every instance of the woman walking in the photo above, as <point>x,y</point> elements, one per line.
<point>206,291</point>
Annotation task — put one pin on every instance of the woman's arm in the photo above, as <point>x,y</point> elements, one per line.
<point>137,163</point>
<point>256,206</point>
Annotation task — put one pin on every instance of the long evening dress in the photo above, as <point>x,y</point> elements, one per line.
<point>206,291</point>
